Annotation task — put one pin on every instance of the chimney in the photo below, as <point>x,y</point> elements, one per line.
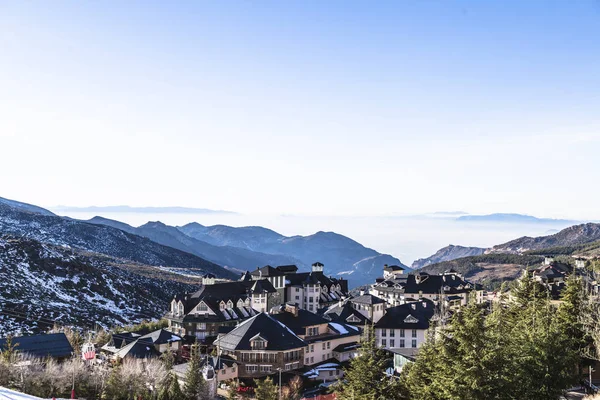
<point>413,306</point>
<point>362,292</point>
<point>292,308</point>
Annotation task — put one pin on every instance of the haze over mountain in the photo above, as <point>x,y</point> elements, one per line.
<point>340,254</point>
<point>512,218</point>
<point>145,210</point>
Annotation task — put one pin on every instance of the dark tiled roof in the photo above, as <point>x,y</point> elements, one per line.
<point>161,336</point>
<point>278,336</point>
<point>345,313</point>
<point>53,345</point>
<point>138,349</point>
<point>347,347</point>
<point>429,284</point>
<point>399,317</point>
<point>367,299</point>
<point>288,269</point>
<point>393,268</point>
<point>298,324</point>
<point>267,271</point>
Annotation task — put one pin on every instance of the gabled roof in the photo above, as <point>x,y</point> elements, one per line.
<point>278,336</point>
<point>161,336</point>
<point>137,349</point>
<point>342,348</point>
<point>263,286</point>
<point>345,313</point>
<point>367,299</point>
<point>53,345</point>
<point>298,324</point>
<point>408,316</point>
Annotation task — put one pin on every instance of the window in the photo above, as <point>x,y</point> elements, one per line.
<point>232,369</point>
<point>328,345</point>
<point>223,372</point>
<point>312,348</point>
<point>297,297</point>
<point>323,357</point>
<point>310,299</point>
<point>414,343</point>
<point>414,333</point>
<point>265,368</point>
<point>330,373</point>
<point>401,332</point>
<point>222,306</point>
<point>392,333</point>
<point>201,326</point>
<point>258,344</point>
<point>306,362</point>
<point>383,333</point>
<point>297,290</point>
<point>383,342</point>
<point>310,307</point>
<point>323,346</point>
<point>229,305</point>
<point>401,342</point>
<point>312,360</point>
<point>313,331</point>
<point>392,343</point>
<point>251,369</point>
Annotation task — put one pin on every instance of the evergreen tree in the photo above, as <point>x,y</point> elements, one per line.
<point>169,389</point>
<point>365,378</point>
<point>420,378</point>
<point>266,389</point>
<point>195,386</point>
<point>115,388</point>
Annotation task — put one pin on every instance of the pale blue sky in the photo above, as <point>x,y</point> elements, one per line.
<point>304,107</point>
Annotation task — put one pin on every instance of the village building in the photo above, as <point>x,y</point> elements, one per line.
<point>261,346</point>
<point>450,288</point>
<point>203,313</point>
<point>405,326</point>
<point>345,312</point>
<point>310,290</point>
<point>51,345</point>
<point>137,345</point>
<point>320,335</point>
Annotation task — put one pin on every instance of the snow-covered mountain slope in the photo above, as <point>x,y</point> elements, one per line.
<point>25,207</point>
<point>41,284</point>
<point>448,253</point>
<point>100,239</point>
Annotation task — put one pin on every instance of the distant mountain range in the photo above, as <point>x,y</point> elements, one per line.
<point>512,218</point>
<point>573,235</point>
<point>507,261</point>
<point>144,210</point>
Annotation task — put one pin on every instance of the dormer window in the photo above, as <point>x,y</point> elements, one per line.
<point>247,301</point>
<point>222,306</point>
<point>202,307</point>
<point>240,303</point>
<point>258,342</point>
<point>410,319</point>
<point>446,288</point>
<point>180,311</point>
<point>229,305</point>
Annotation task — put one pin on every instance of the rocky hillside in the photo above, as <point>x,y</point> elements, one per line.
<point>340,254</point>
<point>488,269</point>
<point>574,235</point>
<point>448,253</point>
<point>238,258</point>
<point>100,239</point>
<point>41,284</point>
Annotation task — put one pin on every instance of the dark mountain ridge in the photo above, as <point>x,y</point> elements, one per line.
<point>100,239</point>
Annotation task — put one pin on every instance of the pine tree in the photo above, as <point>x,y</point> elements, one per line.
<point>169,389</point>
<point>266,389</point>
<point>115,388</point>
<point>365,378</point>
<point>195,386</point>
<point>421,378</point>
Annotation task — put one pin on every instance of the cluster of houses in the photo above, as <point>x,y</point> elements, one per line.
<point>276,320</point>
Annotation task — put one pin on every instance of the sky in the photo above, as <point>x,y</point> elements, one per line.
<point>303,107</point>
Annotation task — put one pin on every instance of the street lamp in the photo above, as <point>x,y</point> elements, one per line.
<point>279,369</point>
